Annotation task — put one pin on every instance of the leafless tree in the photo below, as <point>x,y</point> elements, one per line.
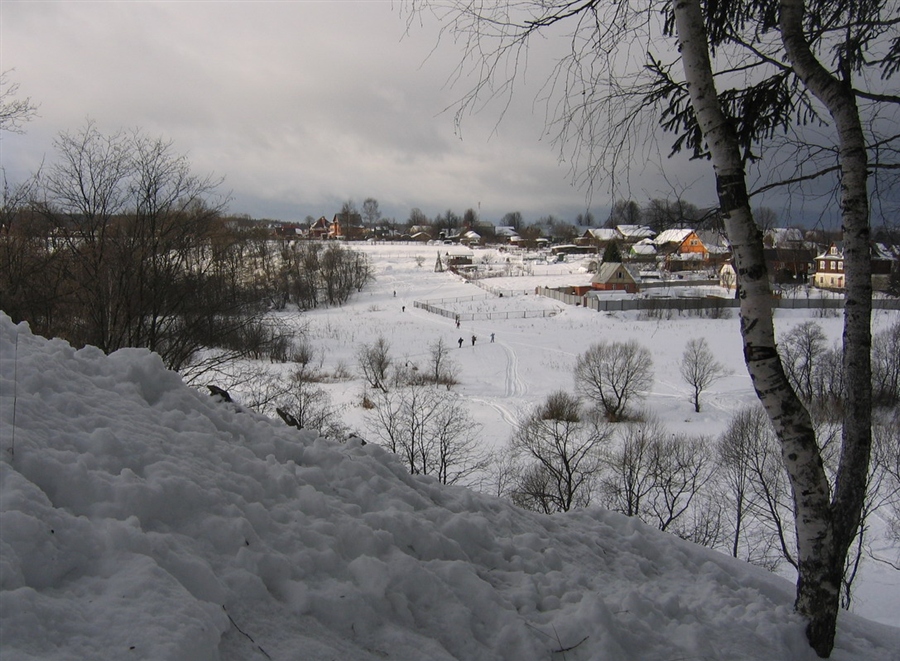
<point>802,349</point>
<point>14,112</point>
<point>660,478</point>
<point>887,453</point>
<point>886,367</point>
<point>625,212</point>
<point>370,211</point>
<point>512,219</point>
<point>309,406</point>
<point>431,431</point>
<point>628,478</point>
<point>613,375</point>
<point>374,362</point>
<point>756,489</point>
<point>443,370</point>
<point>699,368</point>
<point>560,445</point>
<point>342,272</point>
<point>682,467</point>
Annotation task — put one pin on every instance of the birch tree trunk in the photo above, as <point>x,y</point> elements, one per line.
<point>818,585</point>
<point>850,489</point>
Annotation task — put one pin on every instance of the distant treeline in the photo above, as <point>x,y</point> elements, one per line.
<point>119,245</point>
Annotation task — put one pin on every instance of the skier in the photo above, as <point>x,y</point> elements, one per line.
<point>460,343</point>
<point>473,340</point>
<point>492,337</point>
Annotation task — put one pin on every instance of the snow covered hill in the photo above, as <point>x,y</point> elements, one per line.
<point>142,519</point>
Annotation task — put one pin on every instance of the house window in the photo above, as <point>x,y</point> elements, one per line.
<point>840,266</point>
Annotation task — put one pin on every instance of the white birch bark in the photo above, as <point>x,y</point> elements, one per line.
<point>790,418</point>
<point>838,97</point>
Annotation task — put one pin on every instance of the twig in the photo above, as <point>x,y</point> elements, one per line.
<point>249,637</point>
<point>572,647</point>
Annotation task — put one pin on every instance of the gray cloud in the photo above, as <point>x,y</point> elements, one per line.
<point>299,105</point>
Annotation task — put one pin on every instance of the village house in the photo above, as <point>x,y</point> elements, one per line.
<point>728,276</point>
<point>643,251</point>
<point>829,272</point>
<point>506,234</point>
<point>783,237</point>
<point>599,237</point>
<point>633,233</point>
<point>789,265</point>
<point>682,250</point>
<point>613,276</point>
<point>347,226</point>
<point>457,258</point>
<point>319,229</point>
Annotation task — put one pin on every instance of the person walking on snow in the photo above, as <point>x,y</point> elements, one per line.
<point>473,340</point>
<point>460,343</point>
<point>492,337</point>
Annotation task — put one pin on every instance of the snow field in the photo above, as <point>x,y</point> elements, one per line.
<point>140,518</point>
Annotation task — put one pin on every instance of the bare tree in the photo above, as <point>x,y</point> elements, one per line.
<point>802,349</point>
<point>443,369</point>
<point>431,431</point>
<point>561,445</point>
<point>887,453</point>
<point>370,211</point>
<point>306,405</point>
<point>699,368</point>
<point>625,212</point>
<point>613,375</point>
<point>374,362</point>
<point>14,112</point>
<point>628,478</point>
<point>512,219</point>
<point>756,488</point>
<point>660,478</point>
<point>886,367</point>
<point>682,468</point>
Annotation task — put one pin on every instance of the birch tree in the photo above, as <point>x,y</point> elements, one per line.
<point>598,114</point>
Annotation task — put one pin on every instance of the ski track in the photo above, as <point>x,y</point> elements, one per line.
<point>515,385</point>
<point>509,417</point>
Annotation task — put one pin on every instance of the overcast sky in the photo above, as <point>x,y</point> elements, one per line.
<point>301,106</point>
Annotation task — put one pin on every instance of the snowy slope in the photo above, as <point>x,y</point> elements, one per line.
<point>142,519</point>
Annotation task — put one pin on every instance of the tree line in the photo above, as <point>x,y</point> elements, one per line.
<point>118,243</point>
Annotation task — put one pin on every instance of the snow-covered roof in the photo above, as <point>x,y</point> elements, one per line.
<point>672,236</point>
<point>779,236</point>
<point>644,247</point>
<point>635,232</point>
<point>603,234</point>
<point>884,251</point>
<point>608,271</point>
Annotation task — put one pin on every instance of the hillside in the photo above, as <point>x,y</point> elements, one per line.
<point>144,519</point>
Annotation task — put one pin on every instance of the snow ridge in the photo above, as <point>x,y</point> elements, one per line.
<point>144,519</point>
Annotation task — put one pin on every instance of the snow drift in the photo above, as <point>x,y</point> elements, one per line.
<point>142,519</point>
